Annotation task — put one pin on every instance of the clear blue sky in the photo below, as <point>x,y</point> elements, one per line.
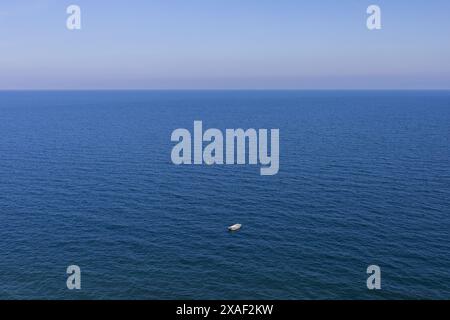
<point>229,44</point>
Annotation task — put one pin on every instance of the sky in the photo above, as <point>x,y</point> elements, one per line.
<point>224,44</point>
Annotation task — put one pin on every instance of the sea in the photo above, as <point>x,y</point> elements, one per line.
<point>86,179</point>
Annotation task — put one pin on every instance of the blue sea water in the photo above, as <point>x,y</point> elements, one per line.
<point>86,179</point>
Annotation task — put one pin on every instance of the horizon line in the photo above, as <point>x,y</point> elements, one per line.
<point>228,89</point>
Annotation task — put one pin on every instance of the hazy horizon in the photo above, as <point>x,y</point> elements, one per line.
<point>228,45</point>
<point>225,90</point>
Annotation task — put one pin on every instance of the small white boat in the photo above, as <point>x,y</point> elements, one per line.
<point>235,227</point>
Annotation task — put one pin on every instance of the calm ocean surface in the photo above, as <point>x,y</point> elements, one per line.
<point>86,179</point>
